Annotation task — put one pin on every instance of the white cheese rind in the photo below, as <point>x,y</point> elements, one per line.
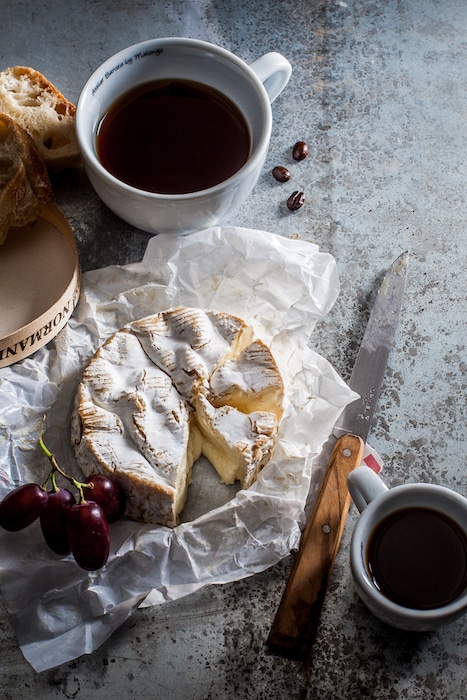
<point>131,423</point>
<point>189,344</point>
<point>164,390</point>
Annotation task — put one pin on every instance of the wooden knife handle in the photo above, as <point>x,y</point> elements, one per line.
<point>297,617</point>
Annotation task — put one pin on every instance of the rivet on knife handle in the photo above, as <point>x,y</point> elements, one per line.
<point>297,617</point>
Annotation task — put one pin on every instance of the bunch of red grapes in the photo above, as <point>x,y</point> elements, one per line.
<point>79,527</point>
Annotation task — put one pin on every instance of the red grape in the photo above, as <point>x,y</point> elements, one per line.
<point>108,494</point>
<point>88,532</point>
<point>54,520</point>
<point>22,506</point>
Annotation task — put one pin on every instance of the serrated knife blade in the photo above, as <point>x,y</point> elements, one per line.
<point>296,621</point>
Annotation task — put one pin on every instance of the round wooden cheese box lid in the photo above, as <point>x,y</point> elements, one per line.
<point>39,284</point>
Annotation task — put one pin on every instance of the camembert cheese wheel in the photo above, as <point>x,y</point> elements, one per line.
<point>166,389</point>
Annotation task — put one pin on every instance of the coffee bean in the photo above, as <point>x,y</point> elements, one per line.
<point>281,174</point>
<point>300,150</point>
<point>296,200</point>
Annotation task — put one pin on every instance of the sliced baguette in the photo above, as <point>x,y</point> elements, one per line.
<point>35,104</point>
<point>24,179</point>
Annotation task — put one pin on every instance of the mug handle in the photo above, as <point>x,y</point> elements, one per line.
<point>274,71</point>
<point>364,485</point>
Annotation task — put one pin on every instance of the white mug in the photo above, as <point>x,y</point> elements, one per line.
<point>252,88</point>
<point>378,506</point>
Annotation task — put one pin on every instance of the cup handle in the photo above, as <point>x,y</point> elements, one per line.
<point>274,71</point>
<point>364,485</point>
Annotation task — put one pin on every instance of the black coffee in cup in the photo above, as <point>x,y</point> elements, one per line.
<point>417,558</point>
<point>173,136</point>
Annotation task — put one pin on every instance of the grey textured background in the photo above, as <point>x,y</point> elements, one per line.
<point>379,92</point>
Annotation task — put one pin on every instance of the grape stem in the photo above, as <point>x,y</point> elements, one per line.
<point>79,485</point>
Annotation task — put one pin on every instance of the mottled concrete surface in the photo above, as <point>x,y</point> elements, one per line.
<point>379,92</point>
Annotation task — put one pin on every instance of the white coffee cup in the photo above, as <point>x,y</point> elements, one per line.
<point>252,88</point>
<point>376,502</point>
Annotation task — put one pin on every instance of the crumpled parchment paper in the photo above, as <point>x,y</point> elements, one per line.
<point>281,287</point>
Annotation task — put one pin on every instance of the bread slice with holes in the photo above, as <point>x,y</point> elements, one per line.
<point>24,180</point>
<point>35,104</point>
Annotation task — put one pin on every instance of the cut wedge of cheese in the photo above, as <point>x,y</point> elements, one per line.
<point>168,388</point>
<point>238,444</point>
<point>250,379</point>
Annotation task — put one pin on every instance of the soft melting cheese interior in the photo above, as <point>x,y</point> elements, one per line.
<point>168,388</point>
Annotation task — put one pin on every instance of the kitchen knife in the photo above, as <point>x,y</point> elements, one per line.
<point>297,617</point>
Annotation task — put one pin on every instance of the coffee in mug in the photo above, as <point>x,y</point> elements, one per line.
<point>418,558</point>
<point>199,164</point>
<point>173,137</point>
<point>408,552</point>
